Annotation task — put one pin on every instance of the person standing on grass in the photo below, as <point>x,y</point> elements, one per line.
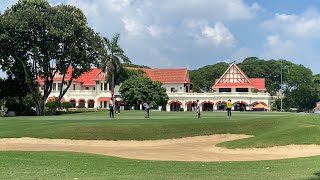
<point>146,109</point>
<point>229,106</point>
<point>198,108</point>
<point>111,107</point>
<point>118,106</point>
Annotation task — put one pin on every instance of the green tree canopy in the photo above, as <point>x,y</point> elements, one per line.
<point>139,88</point>
<point>46,41</point>
<point>203,78</point>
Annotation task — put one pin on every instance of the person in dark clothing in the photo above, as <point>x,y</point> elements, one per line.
<point>146,109</point>
<point>118,104</point>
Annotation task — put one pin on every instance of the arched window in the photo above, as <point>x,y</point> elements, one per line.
<point>73,102</point>
<point>82,104</point>
<point>91,103</point>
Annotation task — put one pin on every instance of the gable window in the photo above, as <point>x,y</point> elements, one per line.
<point>242,90</point>
<point>224,89</point>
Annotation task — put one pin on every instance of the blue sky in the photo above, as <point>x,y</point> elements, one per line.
<point>195,33</point>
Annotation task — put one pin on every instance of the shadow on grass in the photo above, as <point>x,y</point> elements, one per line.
<point>317,174</point>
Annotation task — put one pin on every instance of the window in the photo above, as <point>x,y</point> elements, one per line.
<point>173,90</point>
<point>54,88</point>
<point>81,104</point>
<point>59,86</point>
<point>90,104</point>
<point>105,86</point>
<point>74,87</point>
<point>94,88</point>
<point>242,90</point>
<point>224,89</point>
<point>73,102</point>
<point>87,88</point>
<point>101,85</point>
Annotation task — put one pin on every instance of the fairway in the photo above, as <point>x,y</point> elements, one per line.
<point>261,131</point>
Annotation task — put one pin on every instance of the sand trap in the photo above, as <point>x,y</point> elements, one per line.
<point>199,148</point>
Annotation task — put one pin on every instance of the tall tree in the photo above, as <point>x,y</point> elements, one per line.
<point>50,41</point>
<point>113,59</point>
<point>316,81</point>
<point>139,88</point>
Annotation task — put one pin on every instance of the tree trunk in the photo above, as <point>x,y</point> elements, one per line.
<point>20,105</point>
<point>112,85</point>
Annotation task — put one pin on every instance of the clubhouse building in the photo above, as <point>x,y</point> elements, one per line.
<point>91,90</point>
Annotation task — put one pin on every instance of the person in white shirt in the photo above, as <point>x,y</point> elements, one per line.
<point>198,108</point>
<point>111,107</point>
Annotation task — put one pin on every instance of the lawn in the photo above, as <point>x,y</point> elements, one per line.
<point>60,165</point>
<point>270,129</point>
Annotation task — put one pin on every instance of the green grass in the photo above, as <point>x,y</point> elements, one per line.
<point>270,129</point>
<point>59,165</point>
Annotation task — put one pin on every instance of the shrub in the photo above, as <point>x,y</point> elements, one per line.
<point>66,105</point>
<point>50,105</point>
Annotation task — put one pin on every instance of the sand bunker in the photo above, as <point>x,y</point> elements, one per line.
<point>199,148</point>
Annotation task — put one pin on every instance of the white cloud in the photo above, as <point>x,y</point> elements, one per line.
<point>305,25</point>
<point>279,48</point>
<point>131,25</point>
<point>217,9</point>
<point>118,5</point>
<point>218,35</point>
<point>158,31</point>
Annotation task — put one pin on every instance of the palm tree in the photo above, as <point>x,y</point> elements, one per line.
<point>113,59</point>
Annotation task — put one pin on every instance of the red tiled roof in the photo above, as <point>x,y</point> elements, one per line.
<point>164,75</point>
<point>317,108</point>
<point>257,83</point>
<point>168,75</point>
<point>86,78</point>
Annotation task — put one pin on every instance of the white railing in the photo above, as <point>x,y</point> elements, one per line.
<point>84,92</point>
<point>215,94</point>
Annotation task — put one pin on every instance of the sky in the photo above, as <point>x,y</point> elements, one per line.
<point>195,33</point>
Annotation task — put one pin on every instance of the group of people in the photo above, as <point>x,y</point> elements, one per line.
<point>146,106</point>
<point>229,106</point>
<point>114,105</point>
<point>117,105</point>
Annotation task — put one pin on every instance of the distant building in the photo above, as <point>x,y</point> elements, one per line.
<point>91,90</point>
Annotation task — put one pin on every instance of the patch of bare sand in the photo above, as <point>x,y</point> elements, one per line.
<point>199,148</point>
